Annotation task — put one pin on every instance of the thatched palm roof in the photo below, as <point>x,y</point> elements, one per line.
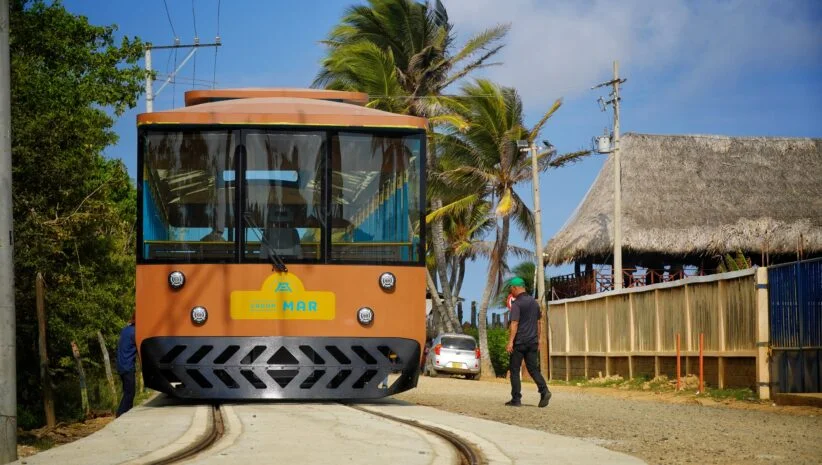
<point>701,195</point>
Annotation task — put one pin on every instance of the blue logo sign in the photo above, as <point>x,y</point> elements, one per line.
<point>283,287</point>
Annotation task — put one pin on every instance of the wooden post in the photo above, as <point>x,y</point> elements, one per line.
<point>701,370</point>
<point>678,369</point>
<point>107,364</point>
<point>657,335</point>
<point>763,340</point>
<point>83,387</point>
<point>45,376</point>
<point>631,335</point>
<point>723,334</point>
<point>567,347</point>
<point>585,321</point>
<point>688,338</point>
<point>550,348</point>
<point>607,339</point>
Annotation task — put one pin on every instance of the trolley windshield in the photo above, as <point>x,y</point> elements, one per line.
<point>244,195</point>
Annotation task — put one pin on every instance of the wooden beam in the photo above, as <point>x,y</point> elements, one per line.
<point>763,339</point>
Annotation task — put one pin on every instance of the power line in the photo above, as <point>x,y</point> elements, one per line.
<point>194,17</point>
<point>196,41</point>
<point>168,15</point>
<point>216,49</point>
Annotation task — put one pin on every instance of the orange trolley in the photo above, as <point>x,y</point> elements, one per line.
<point>280,246</point>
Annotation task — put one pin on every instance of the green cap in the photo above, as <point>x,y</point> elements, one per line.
<point>516,281</point>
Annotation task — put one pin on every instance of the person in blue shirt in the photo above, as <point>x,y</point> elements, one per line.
<point>126,356</point>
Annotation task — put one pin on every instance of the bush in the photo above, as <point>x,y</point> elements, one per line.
<point>497,340</point>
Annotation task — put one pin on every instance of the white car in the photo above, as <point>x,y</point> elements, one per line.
<point>455,354</point>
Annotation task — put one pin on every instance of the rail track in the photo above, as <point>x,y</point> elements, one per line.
<point>468,453</point>
<point>215,432</point>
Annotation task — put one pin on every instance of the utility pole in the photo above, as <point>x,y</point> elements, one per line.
<point>543,340</point>
<point>150,94</point>
<point>615,82</point>
<point>8,356</point>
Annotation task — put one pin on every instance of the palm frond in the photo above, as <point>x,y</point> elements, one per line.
<point>568,158</point>
<point>534,132</point>
<point>453,208</point>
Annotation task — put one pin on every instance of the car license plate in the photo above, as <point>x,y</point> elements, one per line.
<point>456,365</point>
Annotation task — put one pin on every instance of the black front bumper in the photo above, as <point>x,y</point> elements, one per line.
<point>280,367</point>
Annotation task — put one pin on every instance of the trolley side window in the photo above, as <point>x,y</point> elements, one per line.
<point>283,195</point>
<point>187,196</point>
<point>375,198</point>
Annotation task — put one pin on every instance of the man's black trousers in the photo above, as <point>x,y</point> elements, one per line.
<point>128,392</point>
<point>529,353</point>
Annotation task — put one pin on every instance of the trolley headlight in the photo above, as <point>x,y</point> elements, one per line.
<point>176,279</point>
<point>199,315</point>
<point>365,316</point>
<point>388,281</point>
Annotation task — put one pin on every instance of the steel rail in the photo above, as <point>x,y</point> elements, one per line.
<point>215,432</point>
<point>469,454</point>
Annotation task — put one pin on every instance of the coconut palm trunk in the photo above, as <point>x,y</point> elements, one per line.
<point>495,266</point>
<point>441,320</point>
<point>438,242</point>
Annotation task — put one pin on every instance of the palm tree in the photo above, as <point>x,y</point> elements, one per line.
<point>403,55</point>
<point>486,156</point>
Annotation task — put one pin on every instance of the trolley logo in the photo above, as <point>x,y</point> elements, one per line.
<point>283,297</point>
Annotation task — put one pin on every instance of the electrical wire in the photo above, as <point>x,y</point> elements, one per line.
<point>216,49</point>
<point>168,15</point>
<point>196,40</point>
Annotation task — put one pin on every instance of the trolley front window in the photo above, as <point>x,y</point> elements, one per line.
<point>240,195</point>
<point>188,196</point>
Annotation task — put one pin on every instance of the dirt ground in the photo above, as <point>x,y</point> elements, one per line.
<point>663,428</point>
<point>32,442</point>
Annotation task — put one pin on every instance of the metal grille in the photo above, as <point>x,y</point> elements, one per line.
<point>280,367</point>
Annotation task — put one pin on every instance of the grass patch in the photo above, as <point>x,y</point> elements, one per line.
<point>743,394</point>
<point>33,441</point>
<point>689,387</point>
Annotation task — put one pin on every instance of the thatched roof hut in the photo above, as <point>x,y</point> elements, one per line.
<point>689,197</point>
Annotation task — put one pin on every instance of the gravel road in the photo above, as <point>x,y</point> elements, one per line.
<point>671,431</point>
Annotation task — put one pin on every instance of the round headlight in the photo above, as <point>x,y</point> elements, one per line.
<point>176,279</point>
<point>199,315</point>
<point>365,316</point>
<point>388,281</point>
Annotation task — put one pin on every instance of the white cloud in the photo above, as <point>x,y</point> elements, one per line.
<point>565,46</point>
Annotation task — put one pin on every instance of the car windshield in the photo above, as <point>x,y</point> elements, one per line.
<point>461,343</point>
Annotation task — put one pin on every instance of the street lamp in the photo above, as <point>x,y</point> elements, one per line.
<point>525,146</point>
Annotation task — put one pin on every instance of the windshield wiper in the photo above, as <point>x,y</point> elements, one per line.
<point>277,262</point>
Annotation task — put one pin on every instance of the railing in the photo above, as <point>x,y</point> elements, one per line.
<point>576,285</point>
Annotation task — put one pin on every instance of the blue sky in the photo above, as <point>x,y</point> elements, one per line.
<point>732,67</point>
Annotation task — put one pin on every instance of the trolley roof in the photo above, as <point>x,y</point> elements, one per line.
<point>197,97</point>
<point>282,111</point>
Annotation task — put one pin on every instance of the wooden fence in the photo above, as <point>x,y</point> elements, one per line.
<point>632,332</point>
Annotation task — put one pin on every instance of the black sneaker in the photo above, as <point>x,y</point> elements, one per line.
<point>544,399</point>
<point>513,403</point>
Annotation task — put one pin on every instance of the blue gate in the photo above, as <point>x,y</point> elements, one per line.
<point>795,307</point>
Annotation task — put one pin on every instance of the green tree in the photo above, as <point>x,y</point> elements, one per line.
<point>526,271</point>
<point>486,156</point>
<point>74,210</point>
<point>403,55</point>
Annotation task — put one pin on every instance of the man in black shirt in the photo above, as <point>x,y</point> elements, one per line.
<point>523,343</point>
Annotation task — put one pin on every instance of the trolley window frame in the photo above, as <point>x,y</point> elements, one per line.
<point>239,197</point>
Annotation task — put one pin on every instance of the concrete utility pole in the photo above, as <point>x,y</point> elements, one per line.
<point>8,371</point>
<point>150,94</point>
<point>543,340</point>
<point>617,268</point>
<point>617,187</point>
